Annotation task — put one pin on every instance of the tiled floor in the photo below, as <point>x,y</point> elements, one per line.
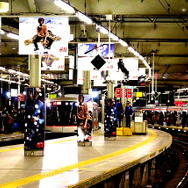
<point>65,163</point>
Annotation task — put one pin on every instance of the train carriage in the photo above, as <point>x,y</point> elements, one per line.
<point>61,114</point>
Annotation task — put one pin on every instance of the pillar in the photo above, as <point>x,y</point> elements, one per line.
<point>34,111</point>
<point>86,87</point>
<point>109,122</point>
<point>152,170</point>
<point>35,70</point>
<point>136,178</point>
<point>102,108</point>
<point>110,89</point>
<point>144,174</point>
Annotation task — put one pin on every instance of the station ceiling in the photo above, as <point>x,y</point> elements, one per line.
<point>157,29</point>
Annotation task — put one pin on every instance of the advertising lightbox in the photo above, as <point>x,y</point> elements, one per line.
<point>52,62</point>
<point>44,35</point>
<point>92,50</point>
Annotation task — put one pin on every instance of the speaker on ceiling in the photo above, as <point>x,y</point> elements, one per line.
<point>98,62</point>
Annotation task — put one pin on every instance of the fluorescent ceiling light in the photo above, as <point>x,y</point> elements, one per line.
<point>2,68</point>
<point>11,71</point>
<point>84,18</point>
<point>114,37</point>
<point>66,7</point>
<point>13,36</point>
<point>2,32</point>
<point>131,49</point>
<point>123,43</point>
<point>103,30</point>
<point>4,6</point>
<point>146,64</point>
<point>141,57</point>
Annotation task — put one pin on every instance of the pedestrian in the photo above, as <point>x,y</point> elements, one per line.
<point>119,112</point>
<point>128,113</point>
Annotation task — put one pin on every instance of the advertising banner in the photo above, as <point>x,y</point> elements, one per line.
<point>92,50</point>
<point>109,71</point>
<point>44,35</point>
<point>52,62</point>
<point>84,119</point>
<point>34,124</point>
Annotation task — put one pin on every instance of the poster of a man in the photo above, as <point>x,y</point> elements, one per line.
<point>84,121</point>
<point>44,35</point>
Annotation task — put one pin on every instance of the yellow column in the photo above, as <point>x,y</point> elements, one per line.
<point>110,89</point>
<point>86,87</point>
<point>35,70</point>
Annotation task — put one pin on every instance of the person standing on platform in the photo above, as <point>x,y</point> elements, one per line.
<point>119,111</point>
<point>128,113</point>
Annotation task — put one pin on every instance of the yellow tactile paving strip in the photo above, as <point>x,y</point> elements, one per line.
<point>38,177</point>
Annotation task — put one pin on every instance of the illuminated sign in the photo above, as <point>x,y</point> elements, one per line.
<point>34,40</point>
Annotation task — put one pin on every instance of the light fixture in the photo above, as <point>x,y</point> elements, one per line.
<point>4,6</point>
<point>114,37</point>
<point>11,71</point>
<point>13,36</point>
<point>131,49</point>
<point>66,7</point>
<point>104,30</point>
<point>2,32</point>
<point>123,43</point>
<point>84,18</point>
<point>101,29</point>
<point>146,64</point>
<point>2,68</point>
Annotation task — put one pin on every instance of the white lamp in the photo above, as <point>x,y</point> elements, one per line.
<point>4,6</point>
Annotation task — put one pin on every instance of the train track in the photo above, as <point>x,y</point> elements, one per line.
<point>172,167</point>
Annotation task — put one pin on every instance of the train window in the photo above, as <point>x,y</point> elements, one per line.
<point>64,114</point>
<point>56,103</point>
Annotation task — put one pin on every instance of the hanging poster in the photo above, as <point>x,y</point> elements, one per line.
<point>91,50</point>
<point>109,71</point>
<point>52,62</point>
<point>44,35</point>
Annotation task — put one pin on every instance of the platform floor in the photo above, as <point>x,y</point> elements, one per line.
<point>65,164</point>
<point>9,137</point>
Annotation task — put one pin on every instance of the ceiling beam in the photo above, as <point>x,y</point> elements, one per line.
<point>167,55</point>
<point>166,18</point>
<point>155,40</point>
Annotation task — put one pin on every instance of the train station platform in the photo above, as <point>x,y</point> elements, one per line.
<point>11,137</point>
<point>65,164</point>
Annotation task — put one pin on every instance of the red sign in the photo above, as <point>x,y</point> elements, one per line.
<point>118,92</point>
<point>123,92</point>
<point>21,97</point>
